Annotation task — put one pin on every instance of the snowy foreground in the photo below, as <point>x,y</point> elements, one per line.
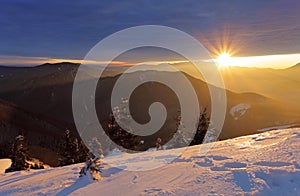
<point>261,164</point>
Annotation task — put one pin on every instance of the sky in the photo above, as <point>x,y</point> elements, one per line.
<point>34,31</point>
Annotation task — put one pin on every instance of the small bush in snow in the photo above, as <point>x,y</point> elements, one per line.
<point>92,168</point>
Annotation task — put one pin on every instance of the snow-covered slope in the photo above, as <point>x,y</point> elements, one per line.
<point>261,164</point>
<point>239,110</point>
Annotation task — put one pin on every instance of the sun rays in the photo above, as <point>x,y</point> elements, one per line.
<point>224,60</point>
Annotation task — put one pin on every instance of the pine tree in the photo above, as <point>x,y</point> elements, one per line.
<point>92,168</point>
<point>122,137</point>
<point>179,139</point>
<point>211,136</point>
<point>76,147</point>
<point>68,149</point>
<point>96,147</point>
<point>82,152</point>
<point>73,150</point>
<point>95,169</point>
<point>19,154</point>
<point>77,151</point>
<point>201,128</point>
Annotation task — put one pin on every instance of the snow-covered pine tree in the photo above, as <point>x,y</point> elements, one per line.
<point>19,155</point>
<point>76,146</point>
<point>202,128</point>
<point>179,139</point>
<point>122,137</point>
<point>92,168</point>
<point>95,169</point>
<point>96,147</point>
<point>82,153</point>
<point>211,136</point>
<point>69,149</point>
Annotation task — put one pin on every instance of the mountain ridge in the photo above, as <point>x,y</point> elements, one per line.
<point>47,91</point>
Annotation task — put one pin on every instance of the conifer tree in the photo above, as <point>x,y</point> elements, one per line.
<point>92,168</point>
<point>96,147</point>
<point>178,139</point>
<point>202,128</point>
<point>68,150</point>
<point>77,151</point>
<point>19,154</point>
<point>73,150</point>
<point>81,151</point>
<point>122,137</point>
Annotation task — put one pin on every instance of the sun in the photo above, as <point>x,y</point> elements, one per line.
<point>224,60</point>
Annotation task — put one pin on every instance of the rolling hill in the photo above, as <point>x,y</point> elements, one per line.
<point>280,84</point>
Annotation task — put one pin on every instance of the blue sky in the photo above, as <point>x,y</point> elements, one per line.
<point>69,29</point>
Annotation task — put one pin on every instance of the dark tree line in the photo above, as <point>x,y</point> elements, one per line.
<point>130,141</point>
<point>73,150</point>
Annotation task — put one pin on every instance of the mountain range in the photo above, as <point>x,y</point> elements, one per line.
<point>38,101</point>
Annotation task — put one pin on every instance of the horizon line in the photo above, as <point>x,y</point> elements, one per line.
<point>276,61</point>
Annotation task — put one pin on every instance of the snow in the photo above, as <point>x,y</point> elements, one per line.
<point>260,164</point>
<point>114,152</point>
<point>4,164</point>
<point>277,127</point>
<point>239,110</point>
<point>19,137</point>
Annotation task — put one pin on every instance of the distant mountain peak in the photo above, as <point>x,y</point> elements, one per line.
<point>60,63</point>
